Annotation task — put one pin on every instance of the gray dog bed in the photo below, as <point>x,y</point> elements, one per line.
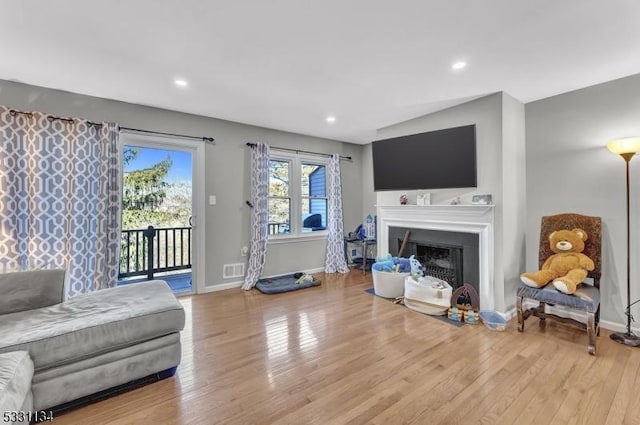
<point>286,283</point>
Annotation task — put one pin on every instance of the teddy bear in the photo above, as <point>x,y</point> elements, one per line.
<point>568,267</point>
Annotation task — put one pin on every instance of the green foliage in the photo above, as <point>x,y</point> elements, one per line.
<point>130,153</point>
<point>141,219</point>
<point>149,200</point>
<point>146,189</point>
<point>279,208</point>
<point>278,178</point>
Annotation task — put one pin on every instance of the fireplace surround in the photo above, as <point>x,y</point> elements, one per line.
<point>450,256</point>
<point>474,219</point>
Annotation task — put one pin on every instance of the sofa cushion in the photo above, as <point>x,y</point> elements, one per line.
<point>93,324</point>
<point>16,372</point>
<point>31,289</point>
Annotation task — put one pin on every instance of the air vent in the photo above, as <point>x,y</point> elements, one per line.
<point>233,270</point>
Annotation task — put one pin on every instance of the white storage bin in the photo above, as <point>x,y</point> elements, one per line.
<point>427,295</point>
<point>388,284</point>
<point>493,320</point>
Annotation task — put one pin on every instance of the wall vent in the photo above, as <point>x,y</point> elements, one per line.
<point>232,270</point>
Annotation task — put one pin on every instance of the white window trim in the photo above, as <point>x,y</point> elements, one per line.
<point>295,194</point>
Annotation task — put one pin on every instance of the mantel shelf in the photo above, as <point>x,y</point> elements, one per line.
<point>466,210</point>
<point>488,206</point>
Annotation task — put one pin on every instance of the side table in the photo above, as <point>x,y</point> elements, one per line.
<point>364,244</point>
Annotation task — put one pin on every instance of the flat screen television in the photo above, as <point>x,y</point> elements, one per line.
<point>438,159</point>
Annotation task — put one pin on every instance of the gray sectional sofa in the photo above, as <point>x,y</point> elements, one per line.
<point>85,345</point>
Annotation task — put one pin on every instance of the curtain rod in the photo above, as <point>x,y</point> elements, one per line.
<point>211,140</point>
<point>203,138</point>
<point>348,158</point>
<point>50,117</point>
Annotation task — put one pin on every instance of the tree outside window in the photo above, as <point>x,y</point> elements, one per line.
<point>279,197</point>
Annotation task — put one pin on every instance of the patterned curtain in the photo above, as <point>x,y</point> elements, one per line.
<point>259,213</point>
<point>335,261</point>
<point>59,198</point>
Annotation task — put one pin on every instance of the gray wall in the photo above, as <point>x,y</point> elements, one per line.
<point>500,171</point>
<point>227,170</point>
<point>569,169</point>
<point>513,196</point>
<point>368,195</point>
<point>486,113</point>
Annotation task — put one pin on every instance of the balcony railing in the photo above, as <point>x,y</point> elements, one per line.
<point>149,251</point>
<point>278,228</point>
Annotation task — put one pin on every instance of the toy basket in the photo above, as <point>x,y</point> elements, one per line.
<point>427,295</point>
<point>388,284</point>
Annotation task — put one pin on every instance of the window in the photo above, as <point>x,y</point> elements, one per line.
<point>297,195</point>
<point>313,197</point>
<point>279,197</point>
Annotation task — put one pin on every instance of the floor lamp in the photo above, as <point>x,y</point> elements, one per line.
<point>626,148</point>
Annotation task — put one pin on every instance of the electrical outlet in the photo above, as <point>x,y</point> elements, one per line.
<point>244,251</point>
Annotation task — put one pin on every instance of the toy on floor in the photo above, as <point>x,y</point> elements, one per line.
<point>302,277</point>
<point>465,304</point>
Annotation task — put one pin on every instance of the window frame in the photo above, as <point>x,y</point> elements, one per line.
<point>288,197</point>
<point>295,195</point>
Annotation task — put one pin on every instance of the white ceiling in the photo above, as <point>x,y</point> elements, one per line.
<point>287,64</point>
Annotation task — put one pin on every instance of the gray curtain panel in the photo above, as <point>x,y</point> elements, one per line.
<point>259,213</point>
<point>335,261</point>
<point>59,197</point>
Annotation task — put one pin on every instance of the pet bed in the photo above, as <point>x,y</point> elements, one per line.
<point>286,283</point>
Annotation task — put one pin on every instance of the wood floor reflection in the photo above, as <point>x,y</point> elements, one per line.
<point>336,355</point>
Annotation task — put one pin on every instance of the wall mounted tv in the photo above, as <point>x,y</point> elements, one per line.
<point>438,159</point>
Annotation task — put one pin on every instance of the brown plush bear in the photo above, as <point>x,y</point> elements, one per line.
<point>567,267</point>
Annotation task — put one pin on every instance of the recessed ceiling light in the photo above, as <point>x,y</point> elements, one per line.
<point>331,119</point>
<point>180,82</point>
<point>459,65</point>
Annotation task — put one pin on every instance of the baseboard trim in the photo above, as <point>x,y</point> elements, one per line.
<point>238,284</point>
<point>222,286</point>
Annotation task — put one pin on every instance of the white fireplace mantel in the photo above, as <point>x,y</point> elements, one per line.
<point>452,218</point>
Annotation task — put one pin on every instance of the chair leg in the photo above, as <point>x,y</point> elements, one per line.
<point>541,314</point>
<point>520,315</point>
<point>591,332</point>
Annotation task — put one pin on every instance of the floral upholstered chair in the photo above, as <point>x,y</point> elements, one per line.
<point>587,298</point>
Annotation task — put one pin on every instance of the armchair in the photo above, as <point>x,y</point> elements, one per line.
<point>587,298</point>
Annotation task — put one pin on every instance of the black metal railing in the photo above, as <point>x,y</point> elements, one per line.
<point>149,251</point>
<point>278,228</point>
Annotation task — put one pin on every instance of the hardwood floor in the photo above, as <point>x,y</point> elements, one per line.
<point>336,355</point>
